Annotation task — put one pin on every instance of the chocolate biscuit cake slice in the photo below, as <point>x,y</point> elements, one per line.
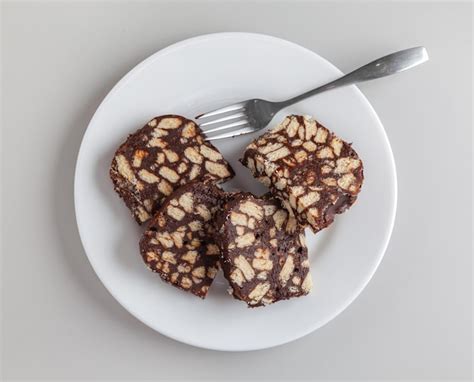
<point>263,250</point>
<point>179,242</point>
<point>168,152</point>
<point>313,172</point>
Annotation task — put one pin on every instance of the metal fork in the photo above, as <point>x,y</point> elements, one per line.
<point>254,114</point>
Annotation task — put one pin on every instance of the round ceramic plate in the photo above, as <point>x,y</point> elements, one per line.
<point>195,76</point>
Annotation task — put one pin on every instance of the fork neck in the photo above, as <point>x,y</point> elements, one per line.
<point>331,85</point>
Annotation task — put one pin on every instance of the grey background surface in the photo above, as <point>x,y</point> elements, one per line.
<point>60,59</point>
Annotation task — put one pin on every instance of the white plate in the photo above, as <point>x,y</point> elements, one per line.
<point>195,76</point>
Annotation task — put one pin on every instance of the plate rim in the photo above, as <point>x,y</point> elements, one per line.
<point>221,35</point>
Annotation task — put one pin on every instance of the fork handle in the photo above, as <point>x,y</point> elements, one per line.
<point>382,67</point>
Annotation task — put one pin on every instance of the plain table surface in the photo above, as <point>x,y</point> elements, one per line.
<point>60,59</point>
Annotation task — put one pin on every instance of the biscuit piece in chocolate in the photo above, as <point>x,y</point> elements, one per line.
<point>264,254</point>
<point>314,173</point>
<point>166,153</point>
<point>179,242</point>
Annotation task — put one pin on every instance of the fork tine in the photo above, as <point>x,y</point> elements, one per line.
<point>224,119</point>
<point>228,126</point>
<point>235,107</point>
<point>231,134</point>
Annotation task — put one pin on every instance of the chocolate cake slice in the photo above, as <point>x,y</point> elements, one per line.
<point>180,242</point>
<point>168,152</point>
<point>314,173</point>
<point>263,250</point>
